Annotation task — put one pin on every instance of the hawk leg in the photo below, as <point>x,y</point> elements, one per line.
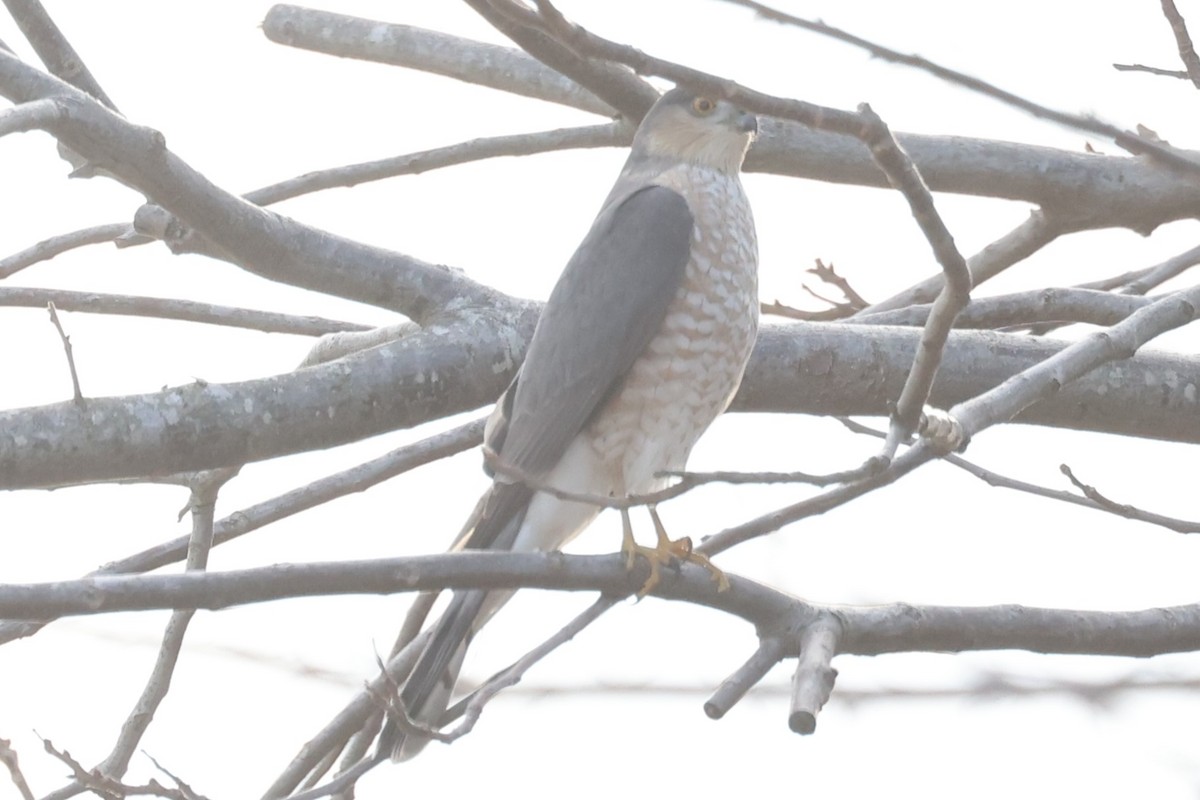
<point>664,551</point>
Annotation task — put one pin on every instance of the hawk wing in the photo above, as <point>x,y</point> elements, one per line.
<point>607,306</point>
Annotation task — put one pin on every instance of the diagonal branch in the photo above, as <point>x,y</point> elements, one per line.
<point>1187,50</point>
<point>1130,141</point>
<point>53,48</point>
<point>501,68</point>
<point>1081,190</point>
<point>56,245</point>
<point>260,241</point>
<point>615,85</point>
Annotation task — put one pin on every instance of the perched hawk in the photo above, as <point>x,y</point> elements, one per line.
<point>641,345</point>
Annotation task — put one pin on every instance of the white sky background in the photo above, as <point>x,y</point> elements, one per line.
<point>247,112</point>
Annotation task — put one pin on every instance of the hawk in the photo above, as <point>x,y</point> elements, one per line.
<point>641,345</point>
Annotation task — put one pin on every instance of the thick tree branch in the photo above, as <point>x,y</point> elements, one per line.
<point>613,83</point>
<point>1132,142</point>
<point>203,426</point>
<point>426,376</point>
<point>53,48</point>
<point>466,60</point>
<point>867,630</point>
<point>1081,190</point>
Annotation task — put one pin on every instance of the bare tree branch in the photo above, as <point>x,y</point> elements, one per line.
<point>389,387</point>
<point>8,757</point>
<point>770,652</point>
<point>260,241</point>
<point>202,504</point>
<point>956,289</point>
<point>868,630</point>
<point>1022,308</point>
<point>1017,245</point>
<point>992,478</point>
<point>1129,141</point>
<point>615,85</point>
<point>239,523</point>
<point>204,426</point>
<point>1160,274</point>
<point>813,681</point>
<point>1187,51</point>
<point>482,64</point>
<point>53,48</point>
<point>80,403</point>
<point>56,245</point>
<point>1080,190</point>
<point>166,308</point>
<point>613,134</point>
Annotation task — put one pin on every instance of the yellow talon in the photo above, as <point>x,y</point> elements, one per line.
<point>665,551</point>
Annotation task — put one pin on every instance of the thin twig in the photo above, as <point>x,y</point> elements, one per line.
<point>997,405</point>
<point>1155,276</point>
<point>1169,73</point>
<point>167,308</point>
<point>828,274</point>
<point>56,245</point>
<point>993,478</point>
<point>1187,51</point>
<point>108,786</point>
<point>612,134</point>
<point>66,342</point>
<point>471,706</point>
<point>1129,141</point>
<point>1015,246</point>
<point>1024,308</point>
<point>202,505</point>
<point>339,730</point>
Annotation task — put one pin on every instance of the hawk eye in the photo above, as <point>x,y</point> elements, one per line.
<point>704,105</point>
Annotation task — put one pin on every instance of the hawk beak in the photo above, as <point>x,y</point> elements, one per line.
<point>747,123</point>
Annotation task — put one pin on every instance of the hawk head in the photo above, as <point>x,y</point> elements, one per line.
<point>697,128</point>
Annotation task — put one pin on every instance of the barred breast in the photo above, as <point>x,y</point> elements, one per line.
<point>692,368</point>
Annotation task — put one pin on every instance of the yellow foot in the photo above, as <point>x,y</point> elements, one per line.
<point>665,552</point>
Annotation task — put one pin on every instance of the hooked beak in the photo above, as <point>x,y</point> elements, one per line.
<point>747,123</point>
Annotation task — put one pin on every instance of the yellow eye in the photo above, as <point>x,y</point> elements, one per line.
<point>704,105</point>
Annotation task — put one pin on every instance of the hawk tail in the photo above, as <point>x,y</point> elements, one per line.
<point>426,693</point>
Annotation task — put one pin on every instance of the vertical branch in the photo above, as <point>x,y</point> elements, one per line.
<point>956,290</point>
<point>66,341</point>
<point>202,505</point>
<point>813,682</point>
<point>8,757</point>
<point>1187,51</point>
